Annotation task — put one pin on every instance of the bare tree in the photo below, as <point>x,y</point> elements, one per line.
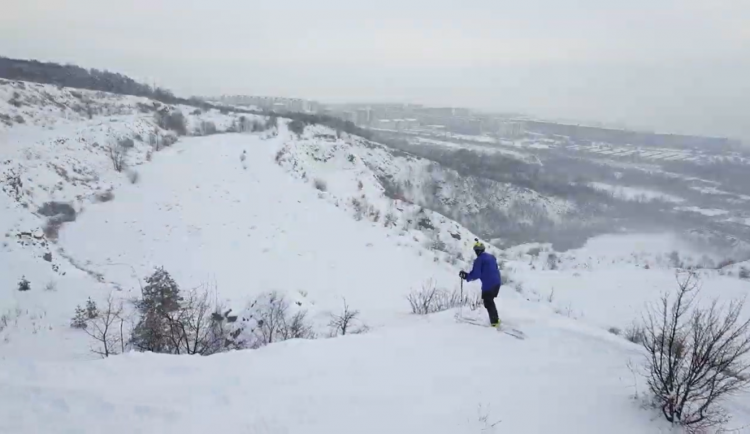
<point>117,154</point>
<point>273,322</point>
<point>346,322</point>
<point>106,328</point>
<point>199,326</point>
<point>696,356</point>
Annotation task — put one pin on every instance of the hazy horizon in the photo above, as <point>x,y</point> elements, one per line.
<point>673,66</point>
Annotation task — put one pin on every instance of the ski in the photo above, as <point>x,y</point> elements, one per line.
<point>518,334</point>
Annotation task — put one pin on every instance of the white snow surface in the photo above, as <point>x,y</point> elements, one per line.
<point>241,212</point>
<point>635,193</point>
<point>431,375</point>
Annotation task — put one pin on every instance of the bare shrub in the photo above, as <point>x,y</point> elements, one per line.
<point>615,331</point>
<point>274,322</point>
<point>359,208</point>
<point>51,229</point>
<point>64,211</point>
<point>438,244</point>
<point>280,155</point>
<point>744,273</point>
<point>168,140</point>
<point>199,326</point>
<point>133,176</point>
<point>429,299</point>
<point>117,155</point>
<point>346,322</point>
<point>534,251</point>
<point>635,333</point>
<point>696,356</point>
<point>674,260</point>
<point>105,196</point>
<point>13,184</point>
<point>320,184</point>
<point>552,261</point>
<point>51,286</point>
<point>390,220</point>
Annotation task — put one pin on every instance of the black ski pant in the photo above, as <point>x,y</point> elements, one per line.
<point>488,297</point>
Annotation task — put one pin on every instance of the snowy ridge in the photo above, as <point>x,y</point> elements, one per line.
<point>357,167</point>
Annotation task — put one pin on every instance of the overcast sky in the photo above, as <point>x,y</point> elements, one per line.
<point>675,65</point>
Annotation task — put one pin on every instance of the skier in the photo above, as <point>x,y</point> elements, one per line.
<point>485,269</point>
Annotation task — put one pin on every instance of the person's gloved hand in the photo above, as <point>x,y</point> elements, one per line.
<point>462,274</point>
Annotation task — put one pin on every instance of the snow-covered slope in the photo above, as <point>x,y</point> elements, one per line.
<point>306,216</point>
<point>359,166</point>
<point>430,375</point>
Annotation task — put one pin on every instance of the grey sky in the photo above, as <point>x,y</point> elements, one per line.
<point>676,65</point>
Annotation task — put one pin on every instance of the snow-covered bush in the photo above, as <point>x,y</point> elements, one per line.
<point>744,273</point>
<point>126,143</point>
<point>174,322</point>
<point>430,299</point>
<point>297,127</point>
<point>174,121</point>
<point>696,356</point>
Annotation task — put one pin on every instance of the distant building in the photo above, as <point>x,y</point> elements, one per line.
<point>386,124</point>
<point>272,103</point>
<point>364,116</point>
<point>510,129</point>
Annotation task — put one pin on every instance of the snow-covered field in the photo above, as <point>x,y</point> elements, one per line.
<point>307,216</point>
<point>634,193</point>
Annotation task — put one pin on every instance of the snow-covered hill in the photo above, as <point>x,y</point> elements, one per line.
<point>311,217</point>
<point>362,167</point>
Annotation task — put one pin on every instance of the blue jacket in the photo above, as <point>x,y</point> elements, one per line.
<point>485,269</point>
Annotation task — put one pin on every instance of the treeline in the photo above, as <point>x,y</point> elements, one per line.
<point>81,78</point>
<point>113,82</point>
